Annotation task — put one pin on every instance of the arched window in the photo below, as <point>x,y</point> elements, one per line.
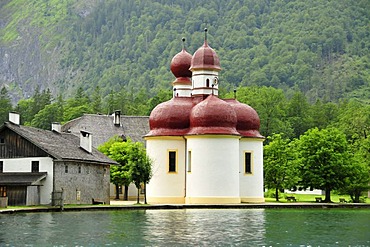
<point>207,82</point>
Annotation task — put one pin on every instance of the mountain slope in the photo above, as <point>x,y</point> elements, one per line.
<point>319,47</point>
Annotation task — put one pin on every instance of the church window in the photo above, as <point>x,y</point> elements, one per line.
<point>207,82</point>
<point>189,161</point>
<point>248,163</point>
<point>35,166</point>
<point>172,161</point>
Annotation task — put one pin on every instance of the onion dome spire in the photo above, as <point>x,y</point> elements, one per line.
<point>180,65</point>
<point>205,58</point>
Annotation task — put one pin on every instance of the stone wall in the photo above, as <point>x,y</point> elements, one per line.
<point>81,182</point>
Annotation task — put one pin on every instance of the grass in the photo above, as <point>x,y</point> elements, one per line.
<point>299,197</point>
<point>310,198</point>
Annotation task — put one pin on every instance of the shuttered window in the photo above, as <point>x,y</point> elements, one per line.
<point>35,167</point>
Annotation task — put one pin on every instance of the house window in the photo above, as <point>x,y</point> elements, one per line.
<point>189,161</point>
<point>248,162</point>
<point>2,140</point>
<point>66,169</point>
<point>35,167</point>
<point>2,191</point>
<point>79,169</point>
<point>1,166</point>
<point>172,161</point>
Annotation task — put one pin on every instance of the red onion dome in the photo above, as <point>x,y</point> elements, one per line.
<point>171,118</point>
<point>248,124</point>
<point>213,116</point>
<point>180,64</point>
<point>205,58</point>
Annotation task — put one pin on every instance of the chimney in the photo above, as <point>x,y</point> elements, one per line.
<point>57,127</point>
<point>86,141</point>
<point>14,117</point>
<point>117,118</point>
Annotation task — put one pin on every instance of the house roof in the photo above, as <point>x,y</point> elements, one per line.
<point>102,127</point>
<point>61,146</point>
<point>22,178</point>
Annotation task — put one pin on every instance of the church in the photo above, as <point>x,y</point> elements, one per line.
<point>205,150</point>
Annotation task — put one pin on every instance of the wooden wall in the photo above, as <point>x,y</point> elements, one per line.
<point>15,146</point>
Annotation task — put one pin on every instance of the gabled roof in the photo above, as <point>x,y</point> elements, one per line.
<point>60,146</point>
<point>102,128</point>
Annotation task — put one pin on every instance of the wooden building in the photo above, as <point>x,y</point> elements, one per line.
<point>36,163</point>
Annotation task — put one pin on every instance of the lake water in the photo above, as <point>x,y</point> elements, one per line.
<point>189,227</point>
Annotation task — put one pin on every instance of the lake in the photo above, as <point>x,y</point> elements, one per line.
<point>189,227</point>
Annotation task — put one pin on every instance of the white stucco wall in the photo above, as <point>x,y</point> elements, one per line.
<point>251,185</point>
<point>199,82</point>
<point>214,169</point>
<point>25,164</point>
<point>182,90</point>
<point>166,187</point>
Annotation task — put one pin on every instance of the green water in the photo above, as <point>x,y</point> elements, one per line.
<point>191,227</point>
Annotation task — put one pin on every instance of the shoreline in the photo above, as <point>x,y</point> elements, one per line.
<point>121,205</point>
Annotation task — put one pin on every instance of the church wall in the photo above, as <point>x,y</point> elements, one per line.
<point>214,176</point>
<point>251,185</point>
<point>165,186</point>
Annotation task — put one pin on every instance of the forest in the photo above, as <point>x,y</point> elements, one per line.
<point>320,48</point>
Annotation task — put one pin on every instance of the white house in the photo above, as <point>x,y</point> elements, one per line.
<point>204,149</point>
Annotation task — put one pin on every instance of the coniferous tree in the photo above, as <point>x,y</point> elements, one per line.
<point>6,105</point>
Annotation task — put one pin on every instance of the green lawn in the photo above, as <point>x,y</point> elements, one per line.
<point>310,198</point>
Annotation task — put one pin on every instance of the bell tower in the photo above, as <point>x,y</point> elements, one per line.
<point>205,66</point>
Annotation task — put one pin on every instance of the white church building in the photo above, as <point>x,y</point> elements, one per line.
<point>205,150</point>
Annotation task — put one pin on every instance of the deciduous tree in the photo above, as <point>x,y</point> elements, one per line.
<point>279,169</point>
<point>119,174</point>
<point>323,158</point>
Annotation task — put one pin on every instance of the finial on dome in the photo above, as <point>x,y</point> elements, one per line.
<point>205,34</point>
<point>183,43</point>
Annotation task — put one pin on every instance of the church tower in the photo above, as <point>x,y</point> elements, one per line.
<point>180,69</point>
<point>205,66</point>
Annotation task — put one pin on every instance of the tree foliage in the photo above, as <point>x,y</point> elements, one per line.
<point>280,171</point>
<point>323,160</point>
<point>6,105</point>
<point>134,165</point>
<point>119,174</point>
<point>319,48</point>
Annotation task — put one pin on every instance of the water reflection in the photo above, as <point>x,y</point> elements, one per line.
<point>202,227</point>
<point>193,227</point>
<point>318,227</point>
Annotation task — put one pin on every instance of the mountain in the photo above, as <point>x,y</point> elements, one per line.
<point>320,48</point>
